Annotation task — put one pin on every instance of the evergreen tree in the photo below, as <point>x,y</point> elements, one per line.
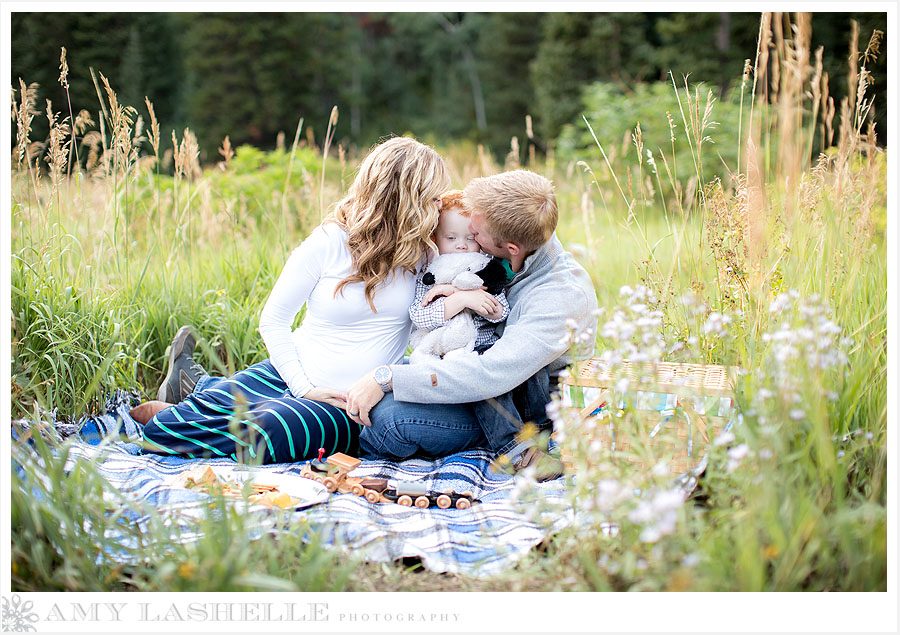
<point>135,51</point>
<point>506,47</point>
<point>579,48</point>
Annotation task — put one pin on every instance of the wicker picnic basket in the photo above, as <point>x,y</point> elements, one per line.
<point>670,414</point>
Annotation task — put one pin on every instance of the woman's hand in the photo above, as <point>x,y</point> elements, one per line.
<point>327,395</point>
<point>362,397</point>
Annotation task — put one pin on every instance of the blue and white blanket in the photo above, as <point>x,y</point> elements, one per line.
<point>480,541</point>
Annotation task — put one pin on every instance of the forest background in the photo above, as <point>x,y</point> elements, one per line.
<point>446,77</point>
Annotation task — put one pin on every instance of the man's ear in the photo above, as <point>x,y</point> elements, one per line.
<point>513,249</point>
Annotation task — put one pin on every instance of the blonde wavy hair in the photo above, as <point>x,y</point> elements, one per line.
<point>390,211</point>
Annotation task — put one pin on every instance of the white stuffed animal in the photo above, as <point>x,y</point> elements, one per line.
<point>458,334</point>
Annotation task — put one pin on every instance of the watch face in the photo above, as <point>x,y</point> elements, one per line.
<point>383,374</point>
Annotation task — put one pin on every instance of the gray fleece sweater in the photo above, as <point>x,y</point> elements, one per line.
<point>550,289</point>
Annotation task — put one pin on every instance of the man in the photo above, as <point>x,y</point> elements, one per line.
<point>430,408</point>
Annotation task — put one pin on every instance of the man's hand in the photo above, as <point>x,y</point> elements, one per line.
<point>362,397</point>
<point>327,395</point>
<point>437,291</point>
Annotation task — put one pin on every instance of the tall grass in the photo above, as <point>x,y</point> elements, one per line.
<point>109,262</point>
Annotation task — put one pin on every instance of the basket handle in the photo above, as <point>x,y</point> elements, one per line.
<point>603,397</point>
<point>688,407</point>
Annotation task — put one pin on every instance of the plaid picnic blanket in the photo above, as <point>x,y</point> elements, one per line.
<point>480,541</point>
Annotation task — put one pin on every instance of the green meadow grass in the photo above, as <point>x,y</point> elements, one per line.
<point>107,262</point>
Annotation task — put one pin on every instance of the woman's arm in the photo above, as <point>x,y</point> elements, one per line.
<point>299,277</point>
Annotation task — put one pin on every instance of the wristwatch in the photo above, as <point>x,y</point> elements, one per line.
<point>383,376</point>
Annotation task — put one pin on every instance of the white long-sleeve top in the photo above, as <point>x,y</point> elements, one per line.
<point>340,337</point>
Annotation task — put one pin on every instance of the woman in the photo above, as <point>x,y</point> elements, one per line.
<point>356,274</point>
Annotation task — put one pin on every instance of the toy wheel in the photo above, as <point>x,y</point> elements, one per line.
<point>443,501</point>
<point>422,502</point>
<point>463,503</point>
<point>318,478</point>
<point>358,490</point>
<point>468,494</point>
<point>373,497</point>
<point>405,500</point>
<point>330,484</point>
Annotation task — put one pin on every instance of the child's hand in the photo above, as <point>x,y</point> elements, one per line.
<point>482,303</point>
<point>437,291</point>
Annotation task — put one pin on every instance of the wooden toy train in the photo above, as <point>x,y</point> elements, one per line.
<point>333,474</point>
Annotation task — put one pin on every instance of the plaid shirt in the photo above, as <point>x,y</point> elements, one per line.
<point>428,318</point>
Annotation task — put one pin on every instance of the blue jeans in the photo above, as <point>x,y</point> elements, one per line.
<point>401,430</point>
<point>502,417</point>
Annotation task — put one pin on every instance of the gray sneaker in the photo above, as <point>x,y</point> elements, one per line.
<point>526,454</point>
<point>184,372</point>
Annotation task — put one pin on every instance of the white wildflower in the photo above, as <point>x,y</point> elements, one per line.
<point>780,303</point>
<point>738,452</point>
<point>722,439</point>
<point>715,323</point>
<point>643,513</point>
<point>650,161</point>
<point>649,534</point>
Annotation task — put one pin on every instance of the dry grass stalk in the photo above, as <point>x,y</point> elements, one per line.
<point>57,156</point>
<point>190,156</point>
<point>329,136</point>
<point>512,157</point>
<point>727,232</point>
<point>154,128</point>
<point>853,62</point>
<point>761,64</point>
<point>227,154</point>
<point>816,94</point>
<point>121,118</point>
<point>484,161</point>
<point>778,40</point>
<point>24,116</point>
<point>83,121</point>
<point>287,177</point>
<point>93,141</point>
<point>529,132</point>
<point>827,115</point>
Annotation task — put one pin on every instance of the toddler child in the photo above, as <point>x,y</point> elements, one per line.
<point>434,305</point>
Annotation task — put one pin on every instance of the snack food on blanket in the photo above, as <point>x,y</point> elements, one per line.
<point>205,479</point>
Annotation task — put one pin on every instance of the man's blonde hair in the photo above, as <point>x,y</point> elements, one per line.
<point>518,206</point>
<point>389,212</point>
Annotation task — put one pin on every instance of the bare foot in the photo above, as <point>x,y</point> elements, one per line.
<point>147,410</point>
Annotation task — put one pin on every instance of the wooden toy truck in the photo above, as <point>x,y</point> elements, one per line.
<point>333,474</point>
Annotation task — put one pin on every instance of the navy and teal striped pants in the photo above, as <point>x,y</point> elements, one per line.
<point>250,417</point>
